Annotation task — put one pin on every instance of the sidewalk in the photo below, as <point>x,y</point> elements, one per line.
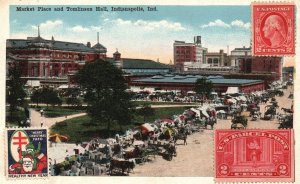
<point>36,119</point>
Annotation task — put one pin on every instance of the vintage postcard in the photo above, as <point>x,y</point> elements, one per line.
<point>177,92</point>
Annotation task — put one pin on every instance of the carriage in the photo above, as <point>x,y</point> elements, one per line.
<point>239,122</point>
<point>270,112</point>
<point>287,122</point>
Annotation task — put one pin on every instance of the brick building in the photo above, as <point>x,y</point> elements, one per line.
<point>50,60</point>
<point>262,65</point>
<point>188,53</point>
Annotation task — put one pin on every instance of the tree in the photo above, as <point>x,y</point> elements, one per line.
<point>47,96</point>
<point>203,87</point>
<point>107,100</point>
<point>15,89</point>
<point>73,101</point>
<point>36,96</point>
<point>146,111</point>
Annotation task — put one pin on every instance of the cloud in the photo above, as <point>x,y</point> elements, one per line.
<point>49,24</point>
<point>96,28</point>
<point>151,25</point>
<point>216,23</point>
<point>240,24</point>
<point>80,29</point>
<point>235,23</point>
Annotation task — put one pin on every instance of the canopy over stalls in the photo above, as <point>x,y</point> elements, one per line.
<point>232,90</point>
<point>33,83</point>
<point>64,86</point>
<point>147,127</point>
<point>58,138</point>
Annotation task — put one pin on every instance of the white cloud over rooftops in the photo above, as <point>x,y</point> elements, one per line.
<point>49,24</point>
<point>151,25</point>
<point>80,29</point>
<point>241,24</point>
<point>216,23</point>
<point>234,24</point>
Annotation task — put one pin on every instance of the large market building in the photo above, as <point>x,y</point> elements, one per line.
<point>187,83</point>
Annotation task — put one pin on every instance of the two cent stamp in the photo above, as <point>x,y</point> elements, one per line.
<point>254,155</point>
<point>273,29</point>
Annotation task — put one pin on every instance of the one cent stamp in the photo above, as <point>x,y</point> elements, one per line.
<point>27,155</point>
<point>273,29</point>
<point>254,155</point>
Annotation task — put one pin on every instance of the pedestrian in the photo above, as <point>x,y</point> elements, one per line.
<point>42,123</point>
<point>42,112</point>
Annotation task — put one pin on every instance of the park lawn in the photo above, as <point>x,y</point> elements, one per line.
<point>81,129</point>
<point>52,112</point>
<point>161,113</point>
<point>140,103</point>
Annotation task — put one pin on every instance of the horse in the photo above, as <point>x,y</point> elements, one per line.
<point>170,151</point>
<point>210,121</point>
<point>123,165</point>
<point>181,136</point>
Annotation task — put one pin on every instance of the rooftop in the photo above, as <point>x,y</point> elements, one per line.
<point>58,45</point>
<point>131,63</point>
<point>193,78</point>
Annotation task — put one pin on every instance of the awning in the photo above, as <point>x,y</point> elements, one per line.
<point>33,83</point>
<point>64,86</point>
<point>232,90</point>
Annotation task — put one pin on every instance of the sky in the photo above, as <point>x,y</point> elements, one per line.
<point>141,34</point>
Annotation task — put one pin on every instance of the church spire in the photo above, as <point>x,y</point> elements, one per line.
<point>97,37</point>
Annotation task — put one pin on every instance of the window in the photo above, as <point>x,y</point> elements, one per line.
<point>209,60</point>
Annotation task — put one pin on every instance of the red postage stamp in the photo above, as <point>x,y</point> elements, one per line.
<point>273,29</point>
<point>254,155</point>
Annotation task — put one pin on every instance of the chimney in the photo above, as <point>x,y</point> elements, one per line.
<point>88,44</point>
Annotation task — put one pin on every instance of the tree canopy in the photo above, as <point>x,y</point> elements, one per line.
<point>105,94</point>
<point>15,88</point>
<point>146,111</point>
<point>203,87</point>
<point>46,95</point>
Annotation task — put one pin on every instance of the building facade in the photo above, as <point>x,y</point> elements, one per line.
<point>188,53</point>
<point>216,59</point>
<point>239,54</point>
<point>42,59</point>
<point>262,65</point>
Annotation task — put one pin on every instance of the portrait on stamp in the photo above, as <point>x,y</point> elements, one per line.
<point>274,30</point>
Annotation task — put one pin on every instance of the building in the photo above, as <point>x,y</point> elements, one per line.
<point>288,73</point>
<point>217,59</point>
<point>191,54</point>
<point>187,83</point>
<point>239,54</point>
<point>262,65</point>
<point>50,61</point>
<point>138,68</point>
